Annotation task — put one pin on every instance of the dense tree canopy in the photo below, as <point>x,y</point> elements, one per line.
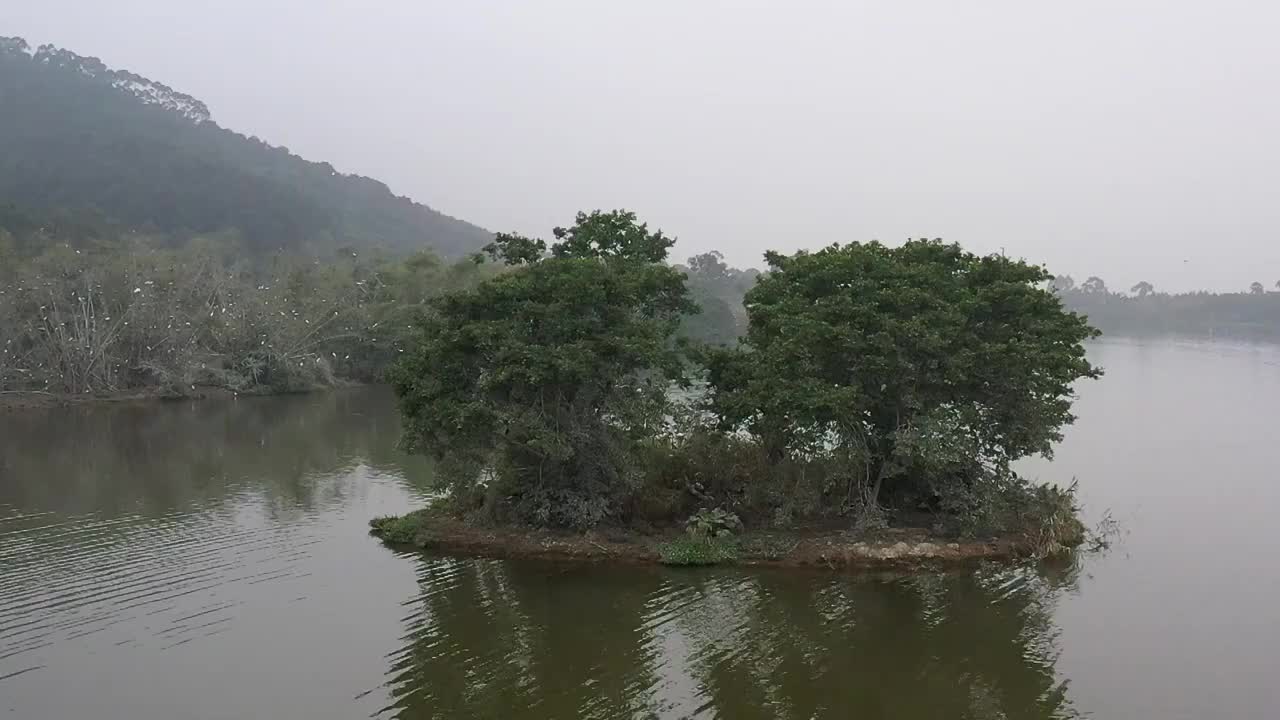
<point>880,350</point>
<point>81,144</point>
<point>548,374</point>
<point>546,392</point>
<point>135,314</point>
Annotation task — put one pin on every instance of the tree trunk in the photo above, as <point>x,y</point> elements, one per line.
<point>874,498</point>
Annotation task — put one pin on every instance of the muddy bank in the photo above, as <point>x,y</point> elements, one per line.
<point>17,400</point>
<point>887,549</point>
<point>34,400</point>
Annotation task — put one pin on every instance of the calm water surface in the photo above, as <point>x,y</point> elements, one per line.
<point>210,560</point>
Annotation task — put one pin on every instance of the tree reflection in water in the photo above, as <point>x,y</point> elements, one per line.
<point>515,639</point>
<point>152,458</point>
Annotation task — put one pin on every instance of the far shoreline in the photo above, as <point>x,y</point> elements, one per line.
<point>24,400</point>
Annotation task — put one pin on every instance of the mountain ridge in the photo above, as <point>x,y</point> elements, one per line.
<point>83,137</point>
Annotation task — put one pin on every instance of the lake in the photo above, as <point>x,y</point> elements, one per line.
<point>211,560</point>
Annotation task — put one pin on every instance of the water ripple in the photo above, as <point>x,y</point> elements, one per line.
<point>144,578</point>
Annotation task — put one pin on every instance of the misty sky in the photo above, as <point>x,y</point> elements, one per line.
<point>1135,140</point>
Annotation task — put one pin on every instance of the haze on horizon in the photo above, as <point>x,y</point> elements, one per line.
<point>1135,141</point>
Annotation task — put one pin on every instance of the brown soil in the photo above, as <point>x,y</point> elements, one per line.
<point>889,549</point>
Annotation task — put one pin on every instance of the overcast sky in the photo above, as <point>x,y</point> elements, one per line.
<point>1135,140</point>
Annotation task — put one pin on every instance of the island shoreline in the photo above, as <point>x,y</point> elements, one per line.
<point>890,549</point>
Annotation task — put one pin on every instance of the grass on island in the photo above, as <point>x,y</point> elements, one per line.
<point>698,551</point>
<point>400,529</point>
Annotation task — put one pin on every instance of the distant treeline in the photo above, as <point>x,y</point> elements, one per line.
<point>82,314</point>
<point>1253,314</point>
<point>1144,311</point>
<point>152,313</point>
<point>718,290</point>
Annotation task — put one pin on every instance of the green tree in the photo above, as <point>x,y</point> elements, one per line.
<point>709,265</point>
<point>1094,285</point>
<point>718,289</point>
<point>1142,289</point>
<point>903,357</point>
<point>1257,289</point>
<point>537,385</point>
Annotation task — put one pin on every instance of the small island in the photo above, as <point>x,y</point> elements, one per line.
<point>869,415</point>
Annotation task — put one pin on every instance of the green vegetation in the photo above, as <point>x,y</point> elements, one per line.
<point>695,551</point>
<point>138,314</point>
<point>401,530</point>
<point>90,152</point>
<point>1052,519</point>
<point>716,523</point>
<point>708,540</point>
<point>1252,314</point>
<point>873,386</point>
<point>921,370</point>
<point>535,388</point>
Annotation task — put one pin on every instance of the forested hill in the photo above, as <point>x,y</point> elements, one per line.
<point>93,146</point>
